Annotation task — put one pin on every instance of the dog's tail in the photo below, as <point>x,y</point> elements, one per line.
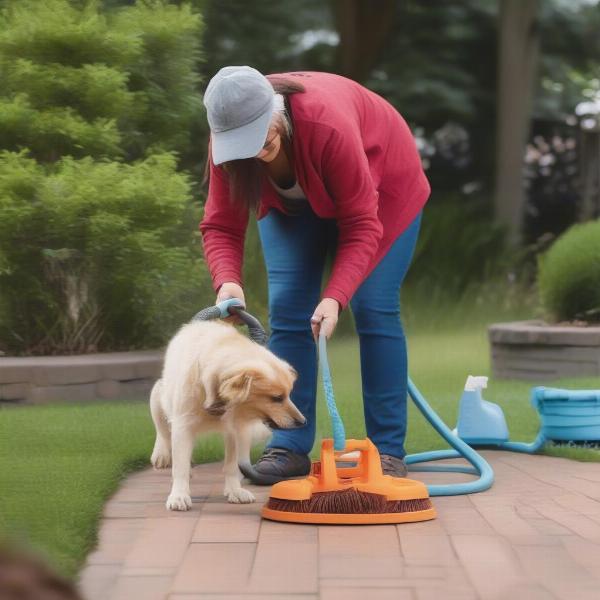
<point>258,478</point>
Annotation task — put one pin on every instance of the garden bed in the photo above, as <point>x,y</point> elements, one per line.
<point>534,350</point>
<point>42,379</point>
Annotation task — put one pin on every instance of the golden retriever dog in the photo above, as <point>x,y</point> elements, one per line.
<point>214,378</point>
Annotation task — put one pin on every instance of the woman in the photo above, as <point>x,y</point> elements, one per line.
<point>328,166</point>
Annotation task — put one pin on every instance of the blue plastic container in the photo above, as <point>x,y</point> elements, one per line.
<point>568,415</point>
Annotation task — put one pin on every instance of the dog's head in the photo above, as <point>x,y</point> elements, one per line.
<point>258,390</point>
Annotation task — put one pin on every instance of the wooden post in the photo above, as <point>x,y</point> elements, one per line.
<point>589,149</point>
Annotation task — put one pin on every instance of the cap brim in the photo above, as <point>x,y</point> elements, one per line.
<point>242,142</point>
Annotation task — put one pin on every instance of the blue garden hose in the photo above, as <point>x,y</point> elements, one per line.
<point>460,449</point>
<point>531,448</point>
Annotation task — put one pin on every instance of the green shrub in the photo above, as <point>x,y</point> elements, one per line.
<point>80,81</point>
<point>98,230</point>
<point>96,255</point>
<point>569,274</point>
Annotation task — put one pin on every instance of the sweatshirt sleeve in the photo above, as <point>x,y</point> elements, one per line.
<point>223,229</point>
<point>348,180</point>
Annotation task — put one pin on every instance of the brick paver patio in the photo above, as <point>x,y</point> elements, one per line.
<point>534,535</point>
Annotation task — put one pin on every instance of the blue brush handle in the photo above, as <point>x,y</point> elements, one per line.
<point>337,425</point>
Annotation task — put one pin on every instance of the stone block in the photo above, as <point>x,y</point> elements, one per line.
<point>162,544</point>
<point>533,351</point>
<point>41,379</point>
<point>146,587</point>
<point>225,569</point>
<point>14,391</point>
<point>98,581</point>
<point>118,371</point>
<point>230,525</point>
<point>149,368</point>
<point>136,389</point>
<point>538,332</point>
<point>108,388</point>
<point>63,370</point>
<point>15,370</point>
<point>130,365</point>
<point>62,393</point>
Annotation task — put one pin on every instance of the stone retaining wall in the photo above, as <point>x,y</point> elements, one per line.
<point>533,350</point>
<point>42,379</point>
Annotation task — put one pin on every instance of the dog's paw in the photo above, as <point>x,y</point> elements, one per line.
<point>160,459</point>
<point>178,501</point>
<point>239,496</point>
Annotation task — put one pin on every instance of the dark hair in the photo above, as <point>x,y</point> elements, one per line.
<point>245,175</point>
<point>25,576</point>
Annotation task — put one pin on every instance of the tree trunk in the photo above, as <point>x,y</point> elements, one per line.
<point>518,46</point>
<point>363,27</point>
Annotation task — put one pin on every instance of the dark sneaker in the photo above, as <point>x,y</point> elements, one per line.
<point>392,465</point>
<point>277,464</point>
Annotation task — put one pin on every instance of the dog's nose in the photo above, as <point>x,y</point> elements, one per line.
<point>299,423</point>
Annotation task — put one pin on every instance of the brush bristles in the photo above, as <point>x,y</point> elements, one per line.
<point>349,501</point>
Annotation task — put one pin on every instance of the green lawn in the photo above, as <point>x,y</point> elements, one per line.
<point>58,464</point>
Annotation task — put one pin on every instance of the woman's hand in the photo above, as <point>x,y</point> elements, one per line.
<point>325,317</point>
<point>231,290</point>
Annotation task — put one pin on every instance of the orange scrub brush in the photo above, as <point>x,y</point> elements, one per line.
<point>352,495</point>
<point>360,494</point>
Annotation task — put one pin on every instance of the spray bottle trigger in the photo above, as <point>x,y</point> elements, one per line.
<point>476,382</point>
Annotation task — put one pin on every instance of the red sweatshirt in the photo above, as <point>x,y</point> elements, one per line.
<point>357,162</point>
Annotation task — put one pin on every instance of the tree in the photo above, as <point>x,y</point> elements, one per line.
<point>364,27</point>
<point>518,41</point>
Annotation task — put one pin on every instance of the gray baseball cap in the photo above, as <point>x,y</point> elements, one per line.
<point>239,105</point>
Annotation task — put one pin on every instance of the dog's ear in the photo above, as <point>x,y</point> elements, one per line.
<point>236,388</point>
<point>214,404</point>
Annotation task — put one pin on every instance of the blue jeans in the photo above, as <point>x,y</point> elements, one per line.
<point>295,250</point>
